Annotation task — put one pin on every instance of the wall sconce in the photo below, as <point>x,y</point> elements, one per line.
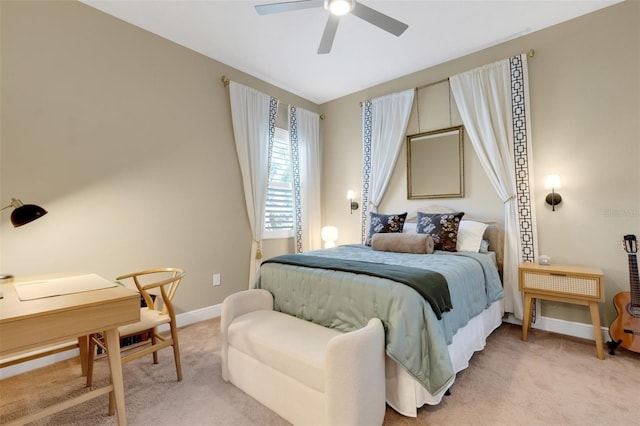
<point>354,204</point>
<point>329,236</point>
<point>553,198</point>
<point>24,213</point>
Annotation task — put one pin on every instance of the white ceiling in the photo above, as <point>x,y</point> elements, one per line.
<point>281,48</point>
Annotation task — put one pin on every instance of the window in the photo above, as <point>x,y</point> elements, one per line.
<point>278,220</point>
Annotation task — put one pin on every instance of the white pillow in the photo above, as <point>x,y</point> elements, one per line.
<point>470,235</point>
<point>409,228</point>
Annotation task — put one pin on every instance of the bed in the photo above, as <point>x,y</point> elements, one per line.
<point>428,338</point>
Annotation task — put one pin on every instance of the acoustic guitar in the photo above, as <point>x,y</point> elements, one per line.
<point>625,329</point>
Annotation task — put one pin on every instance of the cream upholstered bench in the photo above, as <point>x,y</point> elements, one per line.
<point>308,374</point>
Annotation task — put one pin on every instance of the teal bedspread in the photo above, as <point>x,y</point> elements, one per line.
<point>415,338</point>
<point>432,286</point>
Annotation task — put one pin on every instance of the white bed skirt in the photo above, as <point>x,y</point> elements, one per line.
<point>406,395</point>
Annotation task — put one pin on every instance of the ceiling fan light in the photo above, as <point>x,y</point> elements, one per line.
<point>339,7</point>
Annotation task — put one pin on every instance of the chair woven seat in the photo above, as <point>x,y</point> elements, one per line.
<point>149,319</point>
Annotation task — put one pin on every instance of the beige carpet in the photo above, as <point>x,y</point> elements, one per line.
<point>550,379</point>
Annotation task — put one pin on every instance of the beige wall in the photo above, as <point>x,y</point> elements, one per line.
<point>585,107</point>
<point>126,139</point>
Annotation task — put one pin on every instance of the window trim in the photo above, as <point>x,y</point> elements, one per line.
<point>279,234</point>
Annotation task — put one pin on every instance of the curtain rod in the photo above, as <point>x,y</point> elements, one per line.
<point>225,82</point>
<point>531,53</point>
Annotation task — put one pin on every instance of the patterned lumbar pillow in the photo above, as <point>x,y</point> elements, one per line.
<point>443,227</point>
<point>383,223</point>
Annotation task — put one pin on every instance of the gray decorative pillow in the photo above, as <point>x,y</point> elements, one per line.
<point>383,223</point>
<point>443,227</point>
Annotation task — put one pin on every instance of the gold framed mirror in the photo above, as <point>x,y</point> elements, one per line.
<point>435,164</point>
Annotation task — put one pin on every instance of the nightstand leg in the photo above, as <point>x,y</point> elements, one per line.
<point>595,319</point>
<point>526,320</point>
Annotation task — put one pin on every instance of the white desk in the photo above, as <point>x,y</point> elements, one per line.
<point>30,324</point>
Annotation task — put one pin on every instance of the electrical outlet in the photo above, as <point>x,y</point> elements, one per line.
<point>216,279</point>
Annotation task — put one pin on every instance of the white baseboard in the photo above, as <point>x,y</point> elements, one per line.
<point>198,315</point>
<point>568,328</point>
<point>182,320</point>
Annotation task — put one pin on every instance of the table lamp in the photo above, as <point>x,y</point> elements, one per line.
<point>329,235</point>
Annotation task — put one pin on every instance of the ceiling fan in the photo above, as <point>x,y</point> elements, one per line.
<point>336,9</point>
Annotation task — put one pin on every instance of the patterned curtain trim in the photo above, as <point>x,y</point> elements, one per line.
<point>522,156</point>
<point>273,113</point>
<point>273,110</point>
<point>295,159</point>
<point>366,169</point>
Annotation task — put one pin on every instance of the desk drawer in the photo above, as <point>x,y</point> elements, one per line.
<point>561,283</point>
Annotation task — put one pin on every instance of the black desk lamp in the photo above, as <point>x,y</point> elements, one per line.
<point>21,215</point>
<point>24,213</point>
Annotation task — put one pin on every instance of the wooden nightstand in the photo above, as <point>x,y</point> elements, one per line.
<point>562,283</point>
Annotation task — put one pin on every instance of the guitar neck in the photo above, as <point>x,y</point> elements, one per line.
<point>634,280</point>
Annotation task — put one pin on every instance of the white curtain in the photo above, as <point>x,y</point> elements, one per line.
<point>493,103</point>
<point>304,131</point>
<point>385,122</point>
<point>253,115</point>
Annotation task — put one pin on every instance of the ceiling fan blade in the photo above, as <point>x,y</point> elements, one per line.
<point>329,34</point>
<point>267,9</point>
<point>378,19</point>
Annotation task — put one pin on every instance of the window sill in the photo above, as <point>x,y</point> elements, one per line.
<point>277,235</point>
